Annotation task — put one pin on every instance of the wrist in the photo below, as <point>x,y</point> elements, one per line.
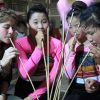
<point>38,46</point>
<point>2,63</point>
<point>1,67</point>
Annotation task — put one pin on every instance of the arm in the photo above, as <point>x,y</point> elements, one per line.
<point>4,85</point>
<point>4,88</point>
<point>6,73</point>
<point>30,63</point>
<point>6,77</point>
<point>96,53</point>
<point>63,8</point>
<point>69,58</point>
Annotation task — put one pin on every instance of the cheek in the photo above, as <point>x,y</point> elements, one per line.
<point>45,26</point>
<point>3,33</point>
<point>33,28</point>
<point>2,36</point>
<point>89,37</point>
<point>71,31</point>
<point>96,38</point>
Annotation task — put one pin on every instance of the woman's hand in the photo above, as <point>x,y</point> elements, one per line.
<point>92,85</point>
<point>9,54</point>
<point>39,38</point>
<point>72,43</point>
<point>96,53</point>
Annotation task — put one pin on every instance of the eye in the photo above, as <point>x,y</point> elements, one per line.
<point>6,27</point>
<point>76,25</point>
<point>90,33</point>
<point>14,28</point>
<point>44,21</point>
<point>35,22</point>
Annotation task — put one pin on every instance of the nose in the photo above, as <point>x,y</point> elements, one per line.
<point>91,40</point>
<point>89,37</point>
<point>40,25</point>
<point>10,30</point>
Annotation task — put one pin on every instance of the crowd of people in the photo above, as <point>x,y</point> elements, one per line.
<point>40,59</point>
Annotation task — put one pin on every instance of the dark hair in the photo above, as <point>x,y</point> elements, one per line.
<point>77,8</point>
<point>6,14</point>
<point>91,16</point>
<point>37,8</point>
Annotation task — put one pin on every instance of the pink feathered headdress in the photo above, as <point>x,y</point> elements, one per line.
<point>63,8</point>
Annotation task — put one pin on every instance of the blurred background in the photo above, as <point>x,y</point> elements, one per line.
<point>24,5</point>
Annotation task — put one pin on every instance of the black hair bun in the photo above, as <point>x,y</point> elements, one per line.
<point>79,5</point>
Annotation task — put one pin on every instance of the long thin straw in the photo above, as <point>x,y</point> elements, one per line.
<point>59,91</point>
<point>25,70</point>
<point>65,41</point>
<point>63,68</point>
<point>48,62</point>
<point>75,74</point>
<point>46,69</point>
<point>55,94</point>
<point>55,77</point>
<point>59,78</point>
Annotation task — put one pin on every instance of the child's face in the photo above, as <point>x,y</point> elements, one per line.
<point>74,27</point>
<point>38,22</point>
<point>6,30</point>
<point>93,35</point>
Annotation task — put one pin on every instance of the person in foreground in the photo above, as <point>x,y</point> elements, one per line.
<point>31,53</point>
<point>7,52</point>
<point>86,84</point>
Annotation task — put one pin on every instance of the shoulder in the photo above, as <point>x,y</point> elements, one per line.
<point>55,45</point>
<point>22,39</point>
<point>55,41</point>
<point>23,42</point>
